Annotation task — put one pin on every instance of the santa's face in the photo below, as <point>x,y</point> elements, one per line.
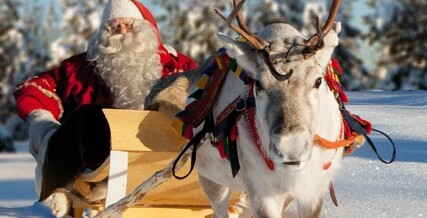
<point>128,60</point>
<point>121,25</point>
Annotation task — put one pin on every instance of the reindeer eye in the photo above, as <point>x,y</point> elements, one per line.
<point>317,83</point>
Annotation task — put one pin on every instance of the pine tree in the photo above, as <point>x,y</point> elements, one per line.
<point>21,55</point>
<point>20,52</point>
<point>80,20</point>
<point>194,32</point>
<point>191,26</point>
<point>399,28</point>
<point>355,74</point>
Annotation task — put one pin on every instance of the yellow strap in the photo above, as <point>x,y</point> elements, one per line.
<point>177,125</point>
<point>201,84</point>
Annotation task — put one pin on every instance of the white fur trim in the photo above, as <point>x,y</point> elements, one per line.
<point>171,50</point>
<point>120,9</point>
<point>40,114</point>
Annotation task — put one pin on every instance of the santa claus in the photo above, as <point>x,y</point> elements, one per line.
<point>123,61</point>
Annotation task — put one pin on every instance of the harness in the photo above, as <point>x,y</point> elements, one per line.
<point>223,131</point>
<point>354,128</point>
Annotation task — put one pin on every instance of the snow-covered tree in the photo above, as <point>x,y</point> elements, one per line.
<point>356,75</point>
<point>399,29</point>
<point>80,20</point>
<point>21,54</point>
<point>192,25</point>
<point>193,29</point>
<point>6,141</point>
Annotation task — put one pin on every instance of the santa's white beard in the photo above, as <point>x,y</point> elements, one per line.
<point>129,64</point>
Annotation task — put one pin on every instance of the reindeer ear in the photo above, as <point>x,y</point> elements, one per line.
<point>332,40</point>
<point>234,47</point>
<point>242,52</point>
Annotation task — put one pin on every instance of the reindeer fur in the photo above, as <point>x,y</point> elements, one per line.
<point>288,114</point>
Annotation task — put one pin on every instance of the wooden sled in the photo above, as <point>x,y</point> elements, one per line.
<point>141,144</point>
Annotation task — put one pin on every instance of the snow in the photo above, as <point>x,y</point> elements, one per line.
<point>365,187</point>
<point>17,194</point>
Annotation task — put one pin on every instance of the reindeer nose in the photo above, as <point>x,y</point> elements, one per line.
<point>292,163</point>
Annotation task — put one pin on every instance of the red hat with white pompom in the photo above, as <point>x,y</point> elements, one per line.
<point>135,9</point>
<point>128,9</point>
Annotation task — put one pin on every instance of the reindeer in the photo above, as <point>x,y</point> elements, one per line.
<point>282,106</point>
<point>292,104</point>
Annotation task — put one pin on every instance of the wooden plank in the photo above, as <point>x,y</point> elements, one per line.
<point>97,175</point>
<point>162,212</point>
<point>136,130</point>
<point>171,192</point>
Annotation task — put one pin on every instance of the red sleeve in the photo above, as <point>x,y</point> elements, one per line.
<point>39,92</point>
<point>186,62</point>
<point>176,64</point>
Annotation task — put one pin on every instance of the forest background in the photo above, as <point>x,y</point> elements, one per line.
<point>383,43</point>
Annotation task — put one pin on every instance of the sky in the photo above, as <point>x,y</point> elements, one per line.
<point>365,187</point>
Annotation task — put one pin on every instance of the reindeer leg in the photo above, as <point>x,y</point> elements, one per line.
<point>310,210</point>
<point>265,204</point>
<point>218,196</point>
<point>288,201</point>
<point>267,207</point>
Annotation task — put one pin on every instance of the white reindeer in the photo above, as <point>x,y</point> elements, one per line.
<point>278,157</point>
<point>293,103</point>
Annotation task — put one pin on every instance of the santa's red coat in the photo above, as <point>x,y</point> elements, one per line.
<point>75,83</point>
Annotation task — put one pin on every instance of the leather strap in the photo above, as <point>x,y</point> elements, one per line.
<point>355,126</point>
<point>194,142</point>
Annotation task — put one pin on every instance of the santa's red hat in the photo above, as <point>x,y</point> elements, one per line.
<point>128,9</point>
<point>135,9</point>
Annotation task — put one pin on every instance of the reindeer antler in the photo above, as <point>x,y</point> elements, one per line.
<point>322,31</point>
<point>242,29</point>
<point>259,43</point>
<point>332,15</point>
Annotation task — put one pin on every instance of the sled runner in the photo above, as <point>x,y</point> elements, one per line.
<point>142,143</point>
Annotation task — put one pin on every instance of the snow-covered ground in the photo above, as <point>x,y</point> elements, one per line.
<point>365,187</point>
